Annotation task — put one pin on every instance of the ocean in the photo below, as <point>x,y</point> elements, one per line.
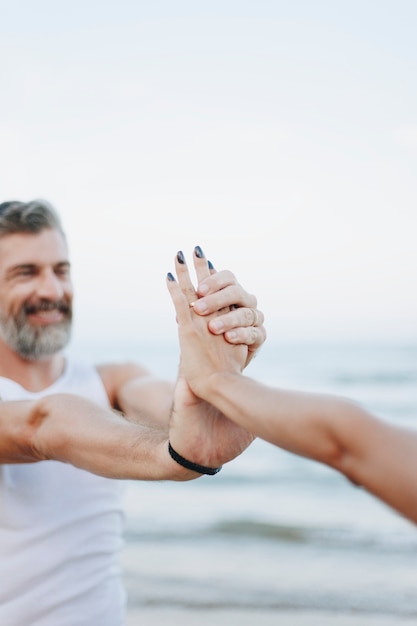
<point>273,530</point>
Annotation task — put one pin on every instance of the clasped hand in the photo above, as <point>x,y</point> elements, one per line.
<point>220,318</point>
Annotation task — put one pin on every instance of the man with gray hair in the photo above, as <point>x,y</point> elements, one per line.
<point>30,341</point>
<point>63,446</point>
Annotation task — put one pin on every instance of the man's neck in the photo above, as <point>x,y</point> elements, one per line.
<point>32,375</point>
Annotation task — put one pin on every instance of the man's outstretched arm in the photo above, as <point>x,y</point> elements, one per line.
<point>71,429</point>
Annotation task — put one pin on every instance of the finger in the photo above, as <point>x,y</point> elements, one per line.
<point>201,264</point>
<point>184,279</point>
<point>237,318</point>
<point>182,308</point>
<point>216,281</point>
<point>211,268</point>
<point>203,269</point>
<point>231,295</point>
<point>252,336</point>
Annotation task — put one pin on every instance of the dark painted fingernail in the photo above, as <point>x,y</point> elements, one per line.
<point>181,258</point>
<point>198,252</point>
<point>170,277</point>
<point>210,264</point>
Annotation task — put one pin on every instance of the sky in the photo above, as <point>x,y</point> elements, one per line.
<point>279,136</point>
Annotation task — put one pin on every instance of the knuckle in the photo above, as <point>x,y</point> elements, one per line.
<point>248,299</point>
<point>236,293</point>
<point>247,316</point>
<point>188,289</point>
<point>229,276</point>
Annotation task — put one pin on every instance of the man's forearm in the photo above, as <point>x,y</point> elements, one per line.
<point>73,430</point>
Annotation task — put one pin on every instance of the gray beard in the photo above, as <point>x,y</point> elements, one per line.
<point>34,343</point>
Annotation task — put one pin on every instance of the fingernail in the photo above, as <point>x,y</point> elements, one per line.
<point>202,289</point>
<point>170,277</point>
<point>210,264</point>
<point>198,252</point>
<point>200,306</point>
<point>216,325</point>
<point>181,258</point>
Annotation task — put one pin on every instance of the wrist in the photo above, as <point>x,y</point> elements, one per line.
<point>190,465</point>
<point>219,380</point>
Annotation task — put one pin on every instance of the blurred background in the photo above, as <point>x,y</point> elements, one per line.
<point>279,136</point>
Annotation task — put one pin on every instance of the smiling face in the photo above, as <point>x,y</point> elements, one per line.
<point>35,293</point>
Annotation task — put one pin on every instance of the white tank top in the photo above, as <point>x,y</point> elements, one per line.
<point>60,531</point>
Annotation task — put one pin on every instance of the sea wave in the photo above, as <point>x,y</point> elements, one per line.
<point>384,378</point>
<point>343,538</point>
<point>238,529</point>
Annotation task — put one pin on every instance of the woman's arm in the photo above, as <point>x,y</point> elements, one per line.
<point>331,430</point>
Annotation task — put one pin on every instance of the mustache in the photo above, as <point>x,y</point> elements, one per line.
<point>47,305</point>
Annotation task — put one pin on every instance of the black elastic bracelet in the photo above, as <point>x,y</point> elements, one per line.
<point>195,467</point>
